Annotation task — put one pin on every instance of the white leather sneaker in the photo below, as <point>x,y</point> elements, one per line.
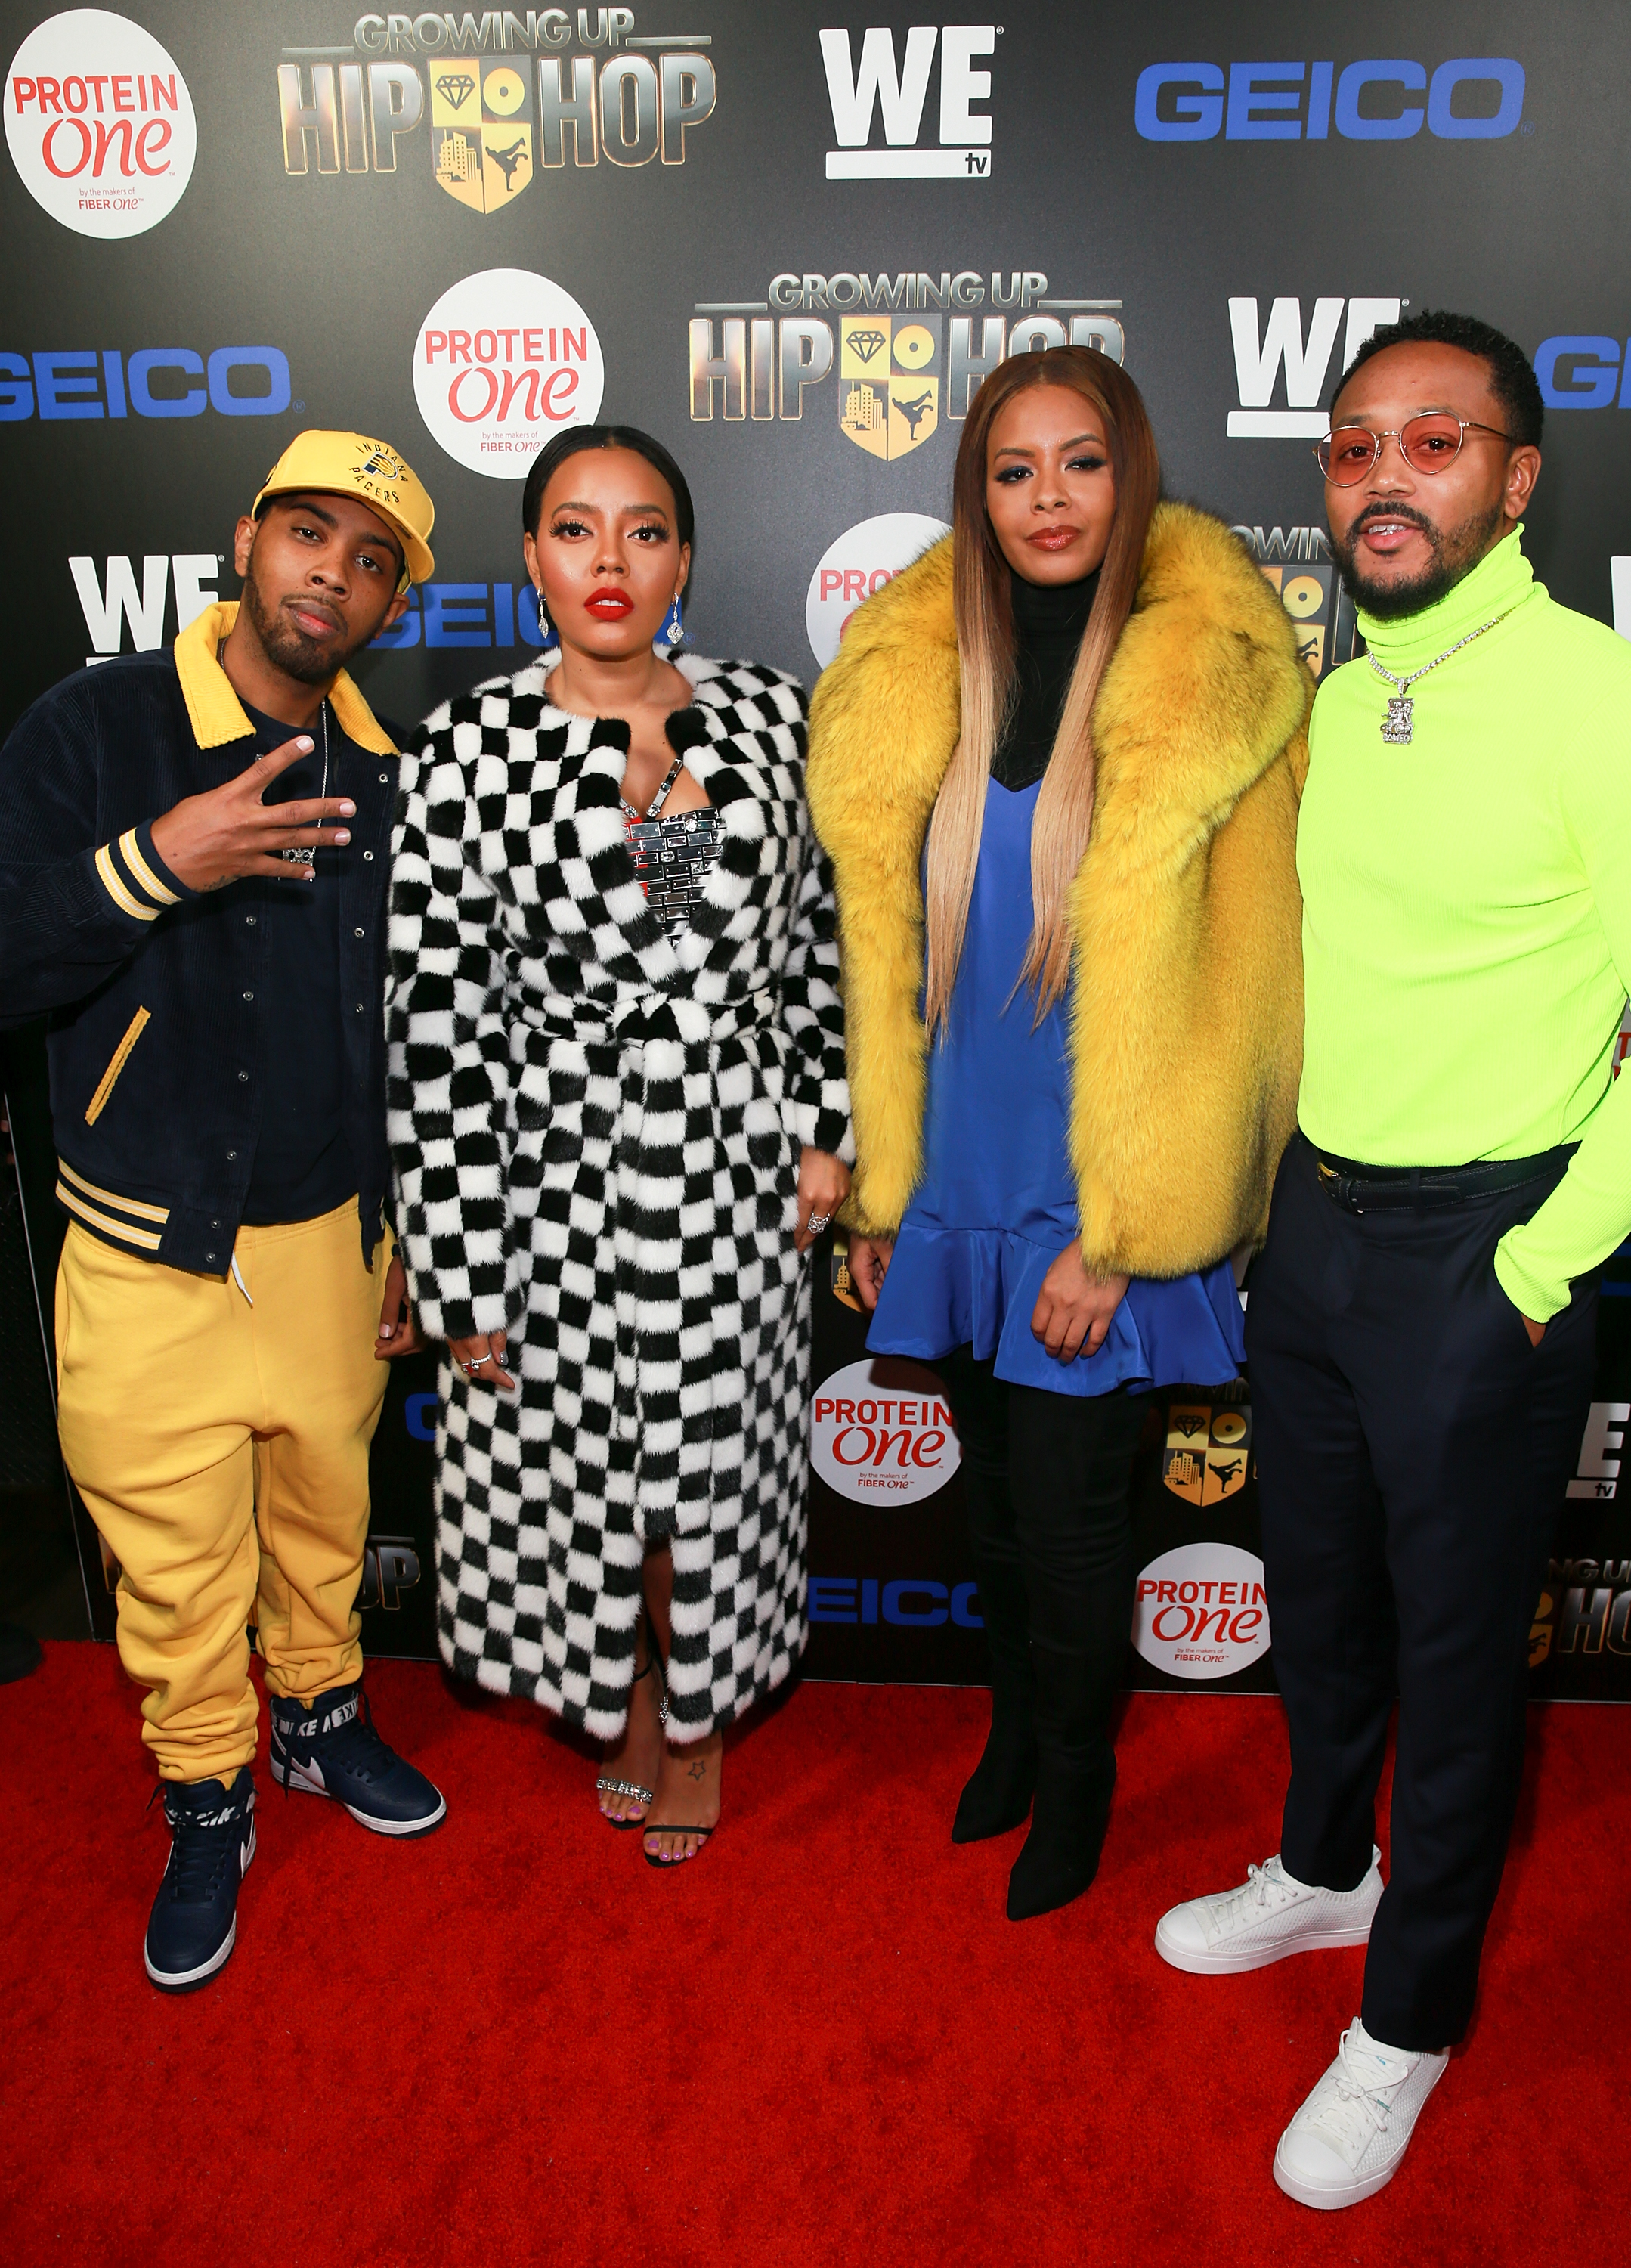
<point>1271,1915</point>
<point>1350,2138</point>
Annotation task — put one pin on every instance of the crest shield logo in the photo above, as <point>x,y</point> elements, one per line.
<point>480,132</point>
<point>888,390</point>
<point>1208,1453</point>
<point>1305,594</point>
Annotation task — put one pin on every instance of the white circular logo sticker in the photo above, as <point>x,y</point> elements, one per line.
<point>1201,1611</point>
<point>503,360</point>
<point>100,123</point>
<point>881,1431</point>
<point>863,560</point>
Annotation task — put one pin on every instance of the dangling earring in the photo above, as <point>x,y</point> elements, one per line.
<point>548,636</point>
<point>674,628</point>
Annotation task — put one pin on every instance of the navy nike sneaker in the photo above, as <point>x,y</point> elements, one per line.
<point>329,1747</point>
<point>194,1924</point>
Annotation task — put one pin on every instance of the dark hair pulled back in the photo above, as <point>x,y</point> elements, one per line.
<point>554,453</point>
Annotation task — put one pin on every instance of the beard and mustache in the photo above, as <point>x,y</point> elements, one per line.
<point>308,660</point>
<point>1455,552</point>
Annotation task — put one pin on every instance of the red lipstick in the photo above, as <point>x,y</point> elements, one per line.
<point>609,605</point>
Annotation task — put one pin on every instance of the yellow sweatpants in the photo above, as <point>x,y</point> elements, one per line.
<point>222,1449</point>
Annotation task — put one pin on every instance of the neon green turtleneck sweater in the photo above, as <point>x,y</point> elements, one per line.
<point>1466,928</point>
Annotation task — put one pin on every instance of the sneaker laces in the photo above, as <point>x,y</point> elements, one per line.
<point>1359,2108</point>
<point>356,1747</point>
<point>1265,1888</point>
<point>200,1852</point>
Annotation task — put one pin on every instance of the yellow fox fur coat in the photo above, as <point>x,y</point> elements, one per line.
<point>1187,996</point>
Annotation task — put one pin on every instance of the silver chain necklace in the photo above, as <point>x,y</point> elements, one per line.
<point>302,855</point>
<point>1396,729</point>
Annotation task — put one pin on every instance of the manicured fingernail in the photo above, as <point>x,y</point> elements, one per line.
<point>344,835</point>
<point>348,810</point>
<point>304,745</point>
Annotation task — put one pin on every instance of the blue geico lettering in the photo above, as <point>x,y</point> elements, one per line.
<point>466,615</point>
<point>78,382</point>
<point>1582,371</point>
<point>419,1416</point>
<point>906,1603</point>
<point>1265,102</point>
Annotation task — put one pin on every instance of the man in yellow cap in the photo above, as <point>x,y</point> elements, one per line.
<point>194,848</point>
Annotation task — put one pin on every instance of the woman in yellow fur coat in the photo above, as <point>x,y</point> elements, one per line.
<point>1056,765</point>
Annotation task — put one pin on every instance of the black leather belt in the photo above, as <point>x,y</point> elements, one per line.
<point>1424,1189</point>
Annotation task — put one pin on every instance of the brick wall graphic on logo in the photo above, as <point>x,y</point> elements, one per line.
<point>1208,1450</point>
<point>100,123</point>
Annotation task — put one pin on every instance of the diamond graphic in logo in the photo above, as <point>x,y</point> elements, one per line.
<point>886,403</point>
<point>481,149</point>
<point>1208,1451</point>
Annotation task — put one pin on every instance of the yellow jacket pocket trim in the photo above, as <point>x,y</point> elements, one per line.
<point>121,1056</point>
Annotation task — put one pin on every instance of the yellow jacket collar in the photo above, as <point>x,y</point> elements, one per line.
<point>217,714</point>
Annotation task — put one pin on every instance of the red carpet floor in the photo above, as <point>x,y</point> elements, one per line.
<point>822,2043</point>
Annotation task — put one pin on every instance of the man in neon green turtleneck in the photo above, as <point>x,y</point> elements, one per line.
<point>1422,1322</point>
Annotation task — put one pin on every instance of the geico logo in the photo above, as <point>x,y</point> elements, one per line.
<point>1260,354</point>
<point>896,378</point>
<point>473,615</point>
<point>486,137</point>
<point>881,1430</point>
<point>907,1602</point>
<point>1201,1611</point>
<point>1598,1469</point>
<point>155,382</point>
<point>100,123</point>
<point>390,1567</point>
<point>897,90</point>
<point>111,598</point>
<point>858,562</point>
<point>501,355</point>
<point>1472,98</point>
<point>1582,371</point>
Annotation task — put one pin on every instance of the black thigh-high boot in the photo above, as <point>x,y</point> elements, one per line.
<point>998,1795</point>
<point>1075,1690</point>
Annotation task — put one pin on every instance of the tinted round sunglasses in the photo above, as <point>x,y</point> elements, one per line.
<point>1428,443</point>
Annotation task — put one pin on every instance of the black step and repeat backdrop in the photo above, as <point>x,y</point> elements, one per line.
<point>791,241</point>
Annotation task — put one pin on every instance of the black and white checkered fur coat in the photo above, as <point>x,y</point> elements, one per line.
<point>595,1132</point>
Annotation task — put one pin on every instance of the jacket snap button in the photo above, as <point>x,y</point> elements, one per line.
<point>208,1255</point>
<point>359,1007</point>
<point>369,856</point>
<point>249,995</point>
<point>249,920</point>
<point>230,1155</point>
<point>356,932</point>
<point>385,775</point>
<point>215,1224</point>
<point>245,1076</point>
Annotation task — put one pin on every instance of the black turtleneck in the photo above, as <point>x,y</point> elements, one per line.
<point>1049,619</point>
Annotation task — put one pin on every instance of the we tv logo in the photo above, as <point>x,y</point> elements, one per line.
<point>896,88</point>
<point>1262,350</point>
<point>110,600</point>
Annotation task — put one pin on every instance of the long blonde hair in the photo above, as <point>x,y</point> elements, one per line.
<point>985,646</point>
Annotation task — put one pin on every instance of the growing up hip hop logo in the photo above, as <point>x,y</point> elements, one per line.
<point>100,123</point>
<point>503,96</point>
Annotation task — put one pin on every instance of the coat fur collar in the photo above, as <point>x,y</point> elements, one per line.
<point>1184,909</point>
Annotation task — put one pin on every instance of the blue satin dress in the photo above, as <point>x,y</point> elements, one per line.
<point>997,1201</point>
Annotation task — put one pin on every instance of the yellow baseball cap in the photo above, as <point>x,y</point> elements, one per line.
<point>349,464</point>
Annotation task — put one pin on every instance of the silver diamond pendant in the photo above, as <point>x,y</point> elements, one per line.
<point>1396,724</point>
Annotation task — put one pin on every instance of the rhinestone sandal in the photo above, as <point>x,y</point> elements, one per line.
<point>606,1784</point>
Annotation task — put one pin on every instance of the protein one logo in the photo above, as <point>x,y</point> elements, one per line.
<point>1201,1611</point>
<point>857,564</point>
<point>504,359</point>
<point>100,123</point>
<point>881,1430</point>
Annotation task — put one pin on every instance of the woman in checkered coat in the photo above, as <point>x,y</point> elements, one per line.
<point>618,1110</point>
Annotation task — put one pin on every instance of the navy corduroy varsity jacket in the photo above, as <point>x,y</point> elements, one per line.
<point>157,1048</point>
